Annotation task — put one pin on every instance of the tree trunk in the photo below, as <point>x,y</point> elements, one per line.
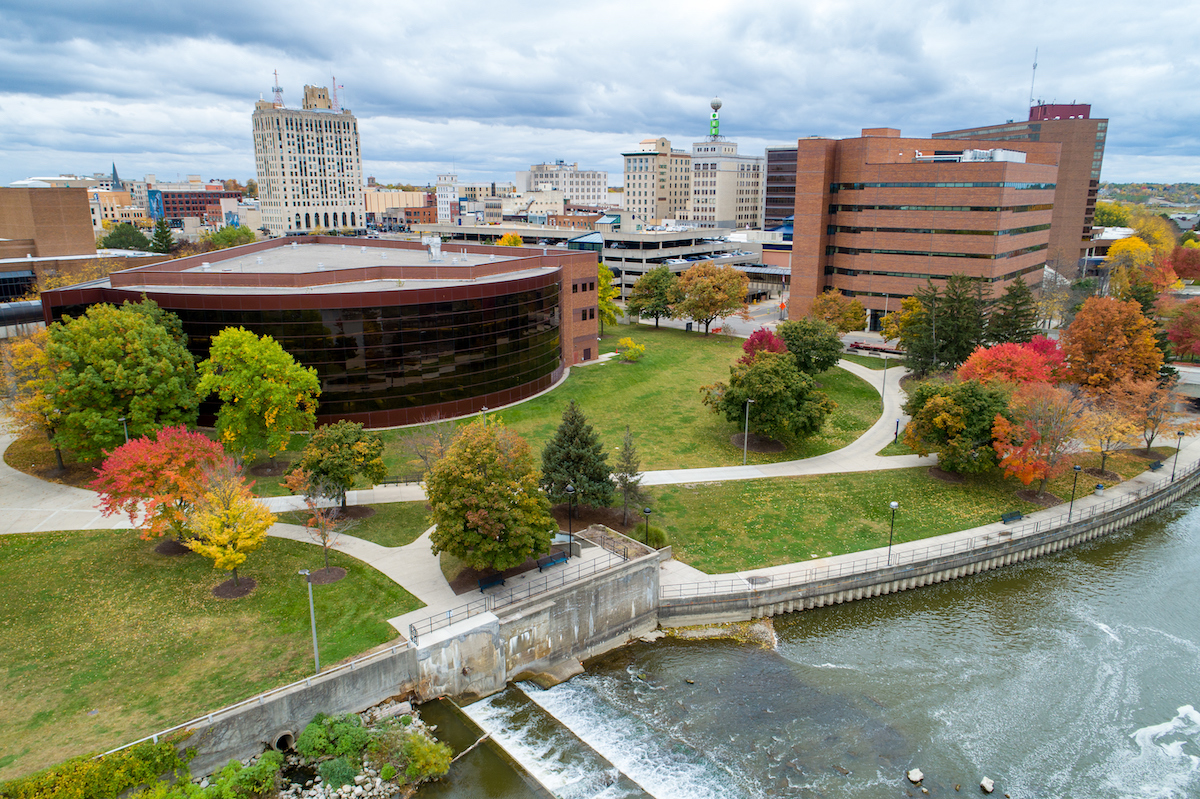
<point>625,512</point>
<point>235,577</point>
<point>325,549</point>
<point>1042,485</point>
<point>1103,458</point>
<point>343,500</point>
<point>656,322</point>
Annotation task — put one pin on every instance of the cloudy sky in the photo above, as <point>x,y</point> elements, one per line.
<point>487,88</point>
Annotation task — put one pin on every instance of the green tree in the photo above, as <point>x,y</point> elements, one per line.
<point>338,453</point>
<point>126,237</point>
<point>265,395</point>
<point>628,475</point>
<point>230,236</point>
<point>955,420</point>
<point>710,292</point>
<point>1014,317</point>
<point>948,327</point>
<point>654,294</point>
<point>112,363</point>
<point>575,457</point>
<point>813,345</point>
<point>786,404</point>
<point>484,498</point>
<point>1110,215</point>
<point>606,292</point>
<point>163,239</point>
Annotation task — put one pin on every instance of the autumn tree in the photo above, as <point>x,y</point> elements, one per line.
<point>27,372</point>
<point>251,188</point>
<point>654,294</point>
<point>228,522</point>
<point>230,236</point>
<point>897,323</point>
<point>1108,341</point>
<point>1014,317</point>
<point>429,442</point>
<point>628,477</point>
<point>813,345</point>
<point>1183,330</point>
<point>484,498</point>
<point>1154,230</point>
<point>158,478</point>
<point>1151,407</point>
<point>844,313</point>
<point>1043,430</point>
<point>324,525</point>
<point>786,404</point>
<point>510,240</point>
<point>711,292</point>
<point>955,420</point>
<point>761,340</point>
<point>163,239</point>
<point>606,292</point>
<point>265,395</point>
<point>1104,426</point>
<point>1110,215</point>
<point>575,457</point>
<point>1127,259</point>
<point>1185,261</point>
<point>338,453</point>
<point>126,237</point>
<point>117,362</point>
<point>1013,363</point>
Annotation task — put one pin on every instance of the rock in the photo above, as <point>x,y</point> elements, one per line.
<point>924,790</point>
<point>204,782</point>
<point>359,779</point>
<point>358,790</point>
<point>690,681</point>
<point>915,776</point>
<point>987,785</point>
<point>958,787</point>
<point>843,771</point>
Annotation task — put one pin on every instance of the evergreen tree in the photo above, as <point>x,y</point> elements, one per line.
<point>1014,317</point>
<point>575,457</point>
<point>949,326</point>
<point>628,475</point>
<point>126,237</point>
<point>163,240</point>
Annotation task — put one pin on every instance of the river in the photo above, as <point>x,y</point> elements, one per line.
<point>1075,675</point>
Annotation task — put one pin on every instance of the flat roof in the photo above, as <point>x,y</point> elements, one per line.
<point>297,258</point>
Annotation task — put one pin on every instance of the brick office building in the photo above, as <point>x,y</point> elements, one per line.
<point>878,216</point>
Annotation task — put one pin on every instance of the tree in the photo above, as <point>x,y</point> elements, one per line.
<point>1014,317</point>
<point>813,345</point>
<point>510,240</point>
<point>161,477</point>
<point>955,420</point>
<point>628,476</point>
<point>1150,406</point>
<point>654,294</point>
<point>251,188</point>
<point>324,524</point>
<point>229,523</point>
<point>163,239</point>
<point>112,363</point>
<point>338,453</point>
<point>844,313</point>
<point>265,394</point>
<point>230,236</point>
<point>28,373</point>
<point>786,403</point>
<point>1043,430</point>
<point>1185,261</point>
<point>1110,215</point>
<point>69,273</point>
<point>606,308</point>
<point>1154,230</point>
<point>429,442</point>
<point>948,327</point>
<point>762,340</point>
<point>1108,341</point>
<point>1184,330</point>
<point>484,498</point>
<point>710,291</point>
<point>575,457</point>
<point>1127,259</point>
<point>1013,363</point>
<point>1103,427</point>
<point>126,237</point>
<point>898,322</point>
<point>630,350</point>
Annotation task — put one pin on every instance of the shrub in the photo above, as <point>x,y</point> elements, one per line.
<point>89,777</point>
<point>314,740</point>
<point>236,781</point>
<point>630,350</point>
<point>333,735</point>
<point>412,751</point>
<point>388,772</point>
<point>337,772</point>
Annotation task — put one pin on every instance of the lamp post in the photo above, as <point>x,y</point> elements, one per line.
<point>746,434</point>
<point>125,424</point>
<point>1075,482</point>
<point>894,505</point>
<point>883,389</point>
<point>1178,446</point>
<point>896,435</point>
<point>646,538</point>
<point>570,524</point>
<point>312,617</point>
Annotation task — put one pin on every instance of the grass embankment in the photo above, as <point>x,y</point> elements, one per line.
<point>393,525</point>
<point>103,641</point>
<point>734,526</point>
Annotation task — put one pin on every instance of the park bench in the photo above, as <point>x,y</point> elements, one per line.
<point>1155,465</point>
<point>1011,516</point>
<point>551,560</point>
<point>490,582</point>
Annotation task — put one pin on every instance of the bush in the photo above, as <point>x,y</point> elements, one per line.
<point>388,772</point>
<point>411,751</point>
<point>314,740</point>
<point>337,772</point>
<point>236,781</point>
<point>630,350</point>
<point>333,735</point>
<point>107,777</point>
<point>657,537</point>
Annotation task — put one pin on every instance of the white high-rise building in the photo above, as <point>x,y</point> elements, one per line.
<point>657,182</point>
<point>581,187</point>
<point>447,198</point>
<point>308,163</point>
<point>728,190</point>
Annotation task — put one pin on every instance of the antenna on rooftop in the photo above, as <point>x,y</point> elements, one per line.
<point>1033,77</point>
<point>714,124</point>
<point>278,91</point>
<point>337,106</point>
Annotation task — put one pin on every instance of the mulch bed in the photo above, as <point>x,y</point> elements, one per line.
<point>758,443</point>
<point>269,470</point>
<point>1144,454</point>
<point>171,548</point>
<point>1111,477</point>
<point>327,576</point>
<point>231,590</point>
<point>468,579</point>
<point>944,476</point>
<point>1046,500</point>
<point>356,512</point>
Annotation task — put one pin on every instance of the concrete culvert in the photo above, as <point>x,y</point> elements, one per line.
<point>283,741</point>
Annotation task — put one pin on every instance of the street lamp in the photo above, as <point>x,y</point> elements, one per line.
<point>746,434</point>
<point>1178,446</point>
<point>570,525</point>
<point>894,505</point>
<point>312,616</point>
<point>883,389</point>
<point>125,424</point>
<point>1075,482</point>
<point>646,538</point>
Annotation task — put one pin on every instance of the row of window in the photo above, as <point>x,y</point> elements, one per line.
<point>1017,231</point>
<point>984,184</point>
<point>829,270</point>
<point>1016,209</point>
<point>831,250</point>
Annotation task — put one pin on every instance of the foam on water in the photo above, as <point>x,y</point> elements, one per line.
<point>1163,767</point>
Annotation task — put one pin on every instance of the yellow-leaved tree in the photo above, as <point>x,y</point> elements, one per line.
<point>895,323</point>
<point>228,522</point>
<point>510,240</point>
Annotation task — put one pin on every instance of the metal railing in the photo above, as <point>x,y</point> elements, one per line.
<point>400,479</point>
<point>909,557</point>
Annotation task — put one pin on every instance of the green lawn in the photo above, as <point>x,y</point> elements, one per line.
<point>725,527</point>
<point>873,361</point>
<point>393,525</point>
<point>103,641</point>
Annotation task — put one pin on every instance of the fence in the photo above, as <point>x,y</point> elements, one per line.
<point>400,479</point>
<point>1046,528</point>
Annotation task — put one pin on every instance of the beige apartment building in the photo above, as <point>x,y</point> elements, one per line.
<point>308,163</point>
<point>658,182</point>
<point>728,189</point>
<point>580,187</point>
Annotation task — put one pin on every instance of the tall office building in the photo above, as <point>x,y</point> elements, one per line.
<point>1082,140</point>
<point>581,187</point>
<point>728,190</point>
<point>308,163</point>
<point>877,217</point>
<point>658,182</point>
<point>780,202</point>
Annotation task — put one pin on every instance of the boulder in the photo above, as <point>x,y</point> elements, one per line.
<point>915,776</point>
<point>987,785</point>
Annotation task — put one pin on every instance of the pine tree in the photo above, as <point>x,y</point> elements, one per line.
<point>1014,318</point>
<point>163,239</point>
<point>628,475</point>
<point>575,457</point>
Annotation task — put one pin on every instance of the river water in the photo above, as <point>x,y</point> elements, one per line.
<point>1074,675</point>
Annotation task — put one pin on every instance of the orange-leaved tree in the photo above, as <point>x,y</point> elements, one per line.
<point>1012,363</point>
<point>1110,341</point>
<point>1151,406</point>
<point>1043,432</point>
<point>845,313</point>
<point>1184,329</point>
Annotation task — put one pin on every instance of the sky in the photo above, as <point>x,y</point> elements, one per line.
<point>484,89</point>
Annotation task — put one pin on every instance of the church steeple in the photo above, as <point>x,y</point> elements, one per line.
<point>116,181</point>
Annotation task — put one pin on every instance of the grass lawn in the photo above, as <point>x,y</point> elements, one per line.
<point>725,527</point>
<point>873,361</point>
<point>103,641</point>
<point>393,525</point>
<point>659,398</point>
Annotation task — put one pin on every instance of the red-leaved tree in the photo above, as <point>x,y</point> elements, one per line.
<point>1011,363</point>
<point>162,477</point>
<point>1184,330</point>
<point>1186,262</point>
<point>1044,431</point>
<point>761,340</point>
